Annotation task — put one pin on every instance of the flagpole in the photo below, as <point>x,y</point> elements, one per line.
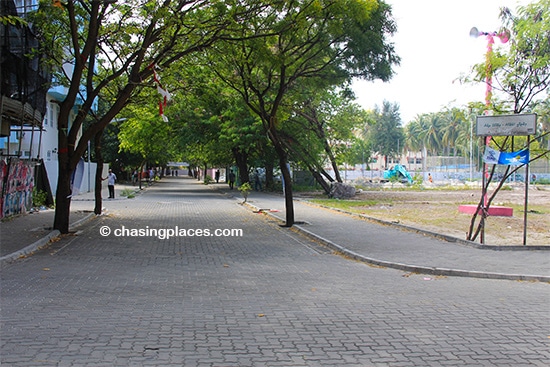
<point>525,205</point>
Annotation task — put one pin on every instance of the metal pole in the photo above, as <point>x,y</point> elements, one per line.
<point>89,166</point>
<point>32,140</point>
<point>21,130</point>
<point>525,205</point>
<point>483,203</point>
<point>471,148</point>
<point>39,143</point>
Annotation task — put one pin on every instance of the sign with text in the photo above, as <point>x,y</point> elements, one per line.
<point>506,125</point>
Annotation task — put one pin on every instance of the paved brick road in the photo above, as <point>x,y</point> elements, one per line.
<point>269,298</point>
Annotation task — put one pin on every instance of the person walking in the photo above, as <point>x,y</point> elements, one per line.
<point>257,181</point>
<point>111,178</point>
<point>231,179</point>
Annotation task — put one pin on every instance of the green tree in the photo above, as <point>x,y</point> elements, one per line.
<point>111,49</point>
<point>327,120</point>
<point>145,133</point>
<point>542,110</point>
<point>431,133</point>
<point>329,41</point>
<point>123,162</point>
<point>359,152</point>
<point>522,72</point>
<point>412,130</point>
<point>214,124</point>
<point>453,119</point>
<point>386,135</point>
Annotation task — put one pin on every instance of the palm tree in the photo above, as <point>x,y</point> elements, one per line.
<point>430,132</point>
<point>413,142</point>
<point>454,118</point>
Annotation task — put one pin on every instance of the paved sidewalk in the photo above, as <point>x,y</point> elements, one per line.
<point>24,234</point>
<point>383,245</point>
<point>391,246</point>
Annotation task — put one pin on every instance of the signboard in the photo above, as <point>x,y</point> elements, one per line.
<point>506,125</point>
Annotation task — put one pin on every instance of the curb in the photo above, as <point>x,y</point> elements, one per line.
<point>420,269</point>
<point>440,236</point>
<point>409,267</point>
<point>32,247</point>
<point>42,242</point>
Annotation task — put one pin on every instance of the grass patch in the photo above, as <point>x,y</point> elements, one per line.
<point>350,205</point>
<point>129,193</point>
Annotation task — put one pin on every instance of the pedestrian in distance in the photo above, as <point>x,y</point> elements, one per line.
<point>231,179</point>
<point>111,178</point>
<point>134,177</point>
<point>217,176</point>
<point>257,181</point>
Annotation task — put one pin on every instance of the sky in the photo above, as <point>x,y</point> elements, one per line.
<point>433,42</point>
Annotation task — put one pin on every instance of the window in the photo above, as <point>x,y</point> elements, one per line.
<point>25,6</point>
<point>54,115</point>
<point>47,114</point>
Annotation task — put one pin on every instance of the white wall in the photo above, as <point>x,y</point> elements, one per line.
<point>53,172</point>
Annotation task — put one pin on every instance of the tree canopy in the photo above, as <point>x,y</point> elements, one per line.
<point>303,41</point>
<point>108,49</point>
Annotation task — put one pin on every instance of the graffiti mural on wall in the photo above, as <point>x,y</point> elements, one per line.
<point>3,175</point>
<point>17,185</point>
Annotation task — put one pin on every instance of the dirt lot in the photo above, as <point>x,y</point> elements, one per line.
<point>436,209</point>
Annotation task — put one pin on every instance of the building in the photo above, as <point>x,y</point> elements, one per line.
<point>28,117</point>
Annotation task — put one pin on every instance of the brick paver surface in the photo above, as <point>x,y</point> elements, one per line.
<point>268,298</point>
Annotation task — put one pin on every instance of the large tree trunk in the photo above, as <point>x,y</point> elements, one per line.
<point>320,132</point>
<point>63,198</point>
<point>63,192</point>
<point>287,180</point>
<point>241,158</point>
<point>315,168</point>
<point>98,173</point>
<point>328,150</point>
<point>269,182</point>
<point>325,185</point>
<point>287,184</point>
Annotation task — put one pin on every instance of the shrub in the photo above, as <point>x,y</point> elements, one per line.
<point>129,193</point>
<point>39,197</point>
<point>208,180</point>
<point>245,189</point>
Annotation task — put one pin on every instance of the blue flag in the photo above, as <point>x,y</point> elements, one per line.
<point>514,158</point>
<point>493,156</point>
